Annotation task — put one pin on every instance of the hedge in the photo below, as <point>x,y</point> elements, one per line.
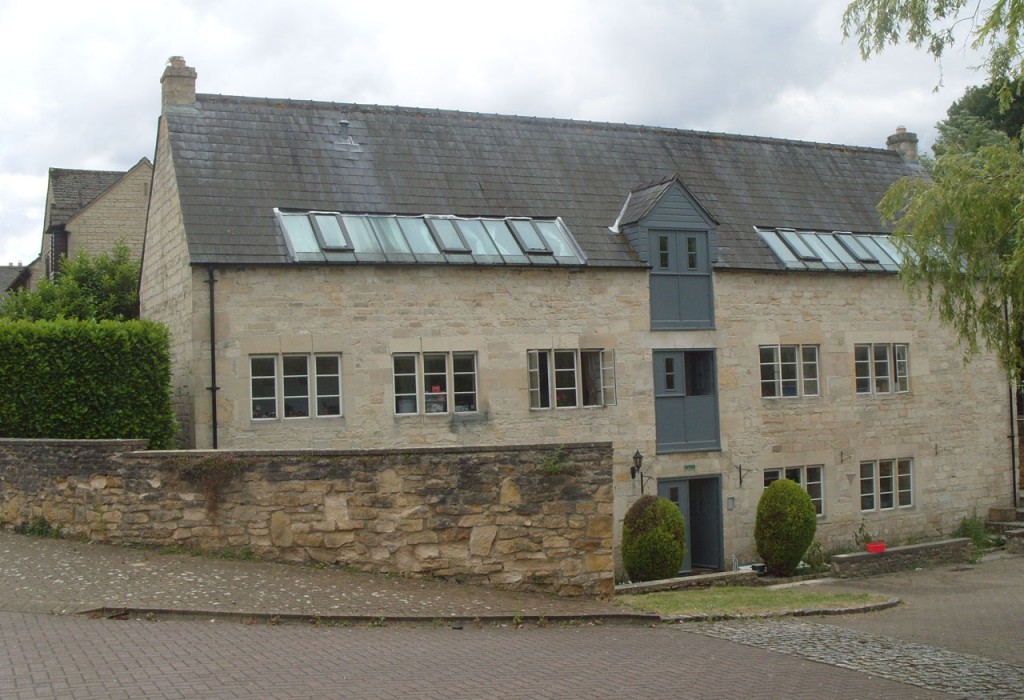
<point>86,380</point>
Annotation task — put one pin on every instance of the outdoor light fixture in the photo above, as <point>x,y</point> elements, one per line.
<point>638,461</point>
<point>634,471</point>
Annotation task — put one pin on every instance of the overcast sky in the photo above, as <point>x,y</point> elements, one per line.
<point>80,87</point>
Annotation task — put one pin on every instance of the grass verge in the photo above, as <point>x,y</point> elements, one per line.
<point>741,600</point>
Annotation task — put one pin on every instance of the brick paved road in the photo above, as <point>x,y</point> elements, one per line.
<point>46,656</point>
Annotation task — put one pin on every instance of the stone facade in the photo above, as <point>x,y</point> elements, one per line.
<point>119,215</point>
<point>165,287</point>
<point>961,458</point>
<point>527,517</point>
<point>116,216</point>
<point>953,423</point>
<point>368,314</point>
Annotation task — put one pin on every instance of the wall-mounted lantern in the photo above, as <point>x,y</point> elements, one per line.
<point>635,470</point>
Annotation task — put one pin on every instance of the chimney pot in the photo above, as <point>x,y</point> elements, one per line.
<point>178,83</point>
<point>903,142</point>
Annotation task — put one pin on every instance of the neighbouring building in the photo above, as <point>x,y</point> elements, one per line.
<point>353,276</point>
<point>13,277</point>
<point>91,211</point>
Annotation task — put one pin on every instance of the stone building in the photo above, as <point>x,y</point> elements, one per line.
<point>90,211</point>
<point>352,276</point>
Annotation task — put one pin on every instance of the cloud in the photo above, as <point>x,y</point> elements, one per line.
<point>81,86</point>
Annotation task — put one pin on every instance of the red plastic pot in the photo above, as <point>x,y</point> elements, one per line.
<point>876,547</point>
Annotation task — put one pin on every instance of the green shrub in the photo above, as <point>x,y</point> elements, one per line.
<point>86,380</point>
<point>817,558</point>
<point>37,527</point>
<point>653,539</point>
<point>974,529</point>
<point>785,526</point>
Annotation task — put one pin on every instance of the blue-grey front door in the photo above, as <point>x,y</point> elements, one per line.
<point>699,499</point>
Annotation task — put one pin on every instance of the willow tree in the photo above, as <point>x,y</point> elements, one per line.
<point>992,28</point>
<point>961,234</point>
<point>961,231</point>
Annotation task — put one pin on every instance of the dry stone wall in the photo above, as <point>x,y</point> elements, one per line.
<point>524,517</point>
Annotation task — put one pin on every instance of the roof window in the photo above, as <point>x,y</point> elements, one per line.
<point>835,250</point>
<point>316,236</point>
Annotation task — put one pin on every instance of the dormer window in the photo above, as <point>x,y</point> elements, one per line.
<point>669,229</point>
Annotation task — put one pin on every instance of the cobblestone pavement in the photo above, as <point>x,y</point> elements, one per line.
<point>965,675</point>
<point>972,609</point>
<point>959,629</point>
<point>51,656</point>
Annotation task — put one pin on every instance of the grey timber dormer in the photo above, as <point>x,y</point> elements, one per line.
<point>677,237</point>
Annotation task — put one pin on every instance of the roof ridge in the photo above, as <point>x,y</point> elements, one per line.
<point>608,126</point>
<point>91,170</point>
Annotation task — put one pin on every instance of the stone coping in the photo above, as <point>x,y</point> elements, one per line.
<point>958,550</point>
<point>454,449</point>
<point>719,578</point>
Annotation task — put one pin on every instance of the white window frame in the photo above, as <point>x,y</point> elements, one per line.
<point>881,368</point>
<point>287,379</point>
<point>403,397</point>
<point>811,478</point>
<point>320,392</point>
<point>558,378</point>
<point>901,367</point>
<point>886,484</point>
<point>472,376</point>
<point>800,362</point>
<point>448,395</point>
<point>280,395</point>
<point>262,398</point>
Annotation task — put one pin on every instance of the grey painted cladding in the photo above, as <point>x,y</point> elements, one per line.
<point>674,208</point>
<point>237,158</point>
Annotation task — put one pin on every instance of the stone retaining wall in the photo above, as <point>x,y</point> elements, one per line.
<point>911,556</point>
<point>1014,541</point>
<point>525,517</point>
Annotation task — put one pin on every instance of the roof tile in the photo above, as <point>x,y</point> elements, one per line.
<point>238,158</point>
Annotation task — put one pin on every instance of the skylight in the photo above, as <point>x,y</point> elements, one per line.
<point>317,236</point>
<point>835,250</point>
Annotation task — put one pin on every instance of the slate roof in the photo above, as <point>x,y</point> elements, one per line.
<point>237,158</point>
<point>73,190</point>
<point>642,201</point>
<point>8,276</point>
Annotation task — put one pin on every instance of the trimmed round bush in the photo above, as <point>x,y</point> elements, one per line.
<point>785,526</point>
<point>653,539</point>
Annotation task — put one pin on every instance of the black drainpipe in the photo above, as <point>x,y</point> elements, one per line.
<point>1014,393</point>
<point>213,388</point>
<point>1013,444</point>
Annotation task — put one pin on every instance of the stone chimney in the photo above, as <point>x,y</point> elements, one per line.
<point>904,143</point>
<point>178,83</point>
